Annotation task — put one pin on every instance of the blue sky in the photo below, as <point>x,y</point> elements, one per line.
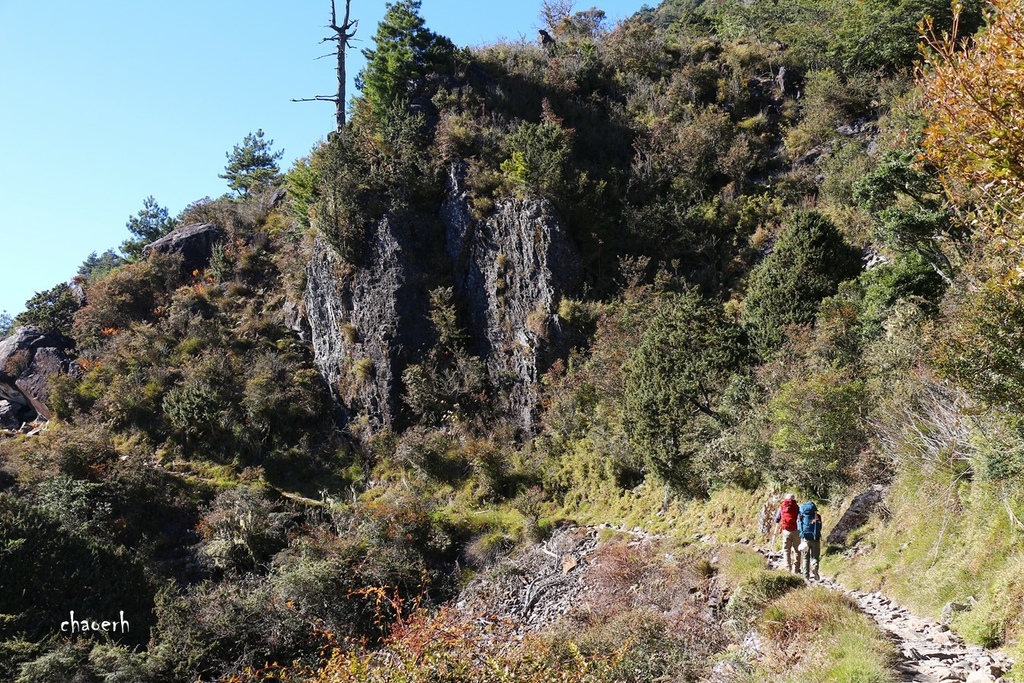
<point>105,103</point>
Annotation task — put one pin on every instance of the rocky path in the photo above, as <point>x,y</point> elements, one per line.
<point>929,651</point>
<point>535,588</point>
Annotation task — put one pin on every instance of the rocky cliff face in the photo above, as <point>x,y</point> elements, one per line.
<point>365,323</point>
<point>27,358</point>
<point>512,269</point>
<point>509,270</point>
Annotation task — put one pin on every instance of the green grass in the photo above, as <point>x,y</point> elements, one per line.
<point>816,635</point>
<point>727,515</point>
<point>946,541</point>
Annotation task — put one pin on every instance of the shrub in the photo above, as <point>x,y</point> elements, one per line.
<point>48,571</point>
<point>431,453</point>
<point>753,585</point>
<point>830,100</point>
<point>52,310</point>
<point>636,47</point>
<point>449,383</point>
<point>911,212</point>
<point>674,379</point>
<point>538,153</point>
<point>355,585</point>
<point>908,278</point>
<point>807,264</point>
<point>820,430</point>
<point>79,504</point>
<point>977,344</point>
<point>242,529</point>
<point>80,453</point>
<point>363,370</point>
<point>131,294</point>
<point>344,202</point>
<point>68,662</point>
<point>201,411</point>
<point>213,628</point>
<point>428,647</point>
<point>967,95</point>
<point>580,315</point>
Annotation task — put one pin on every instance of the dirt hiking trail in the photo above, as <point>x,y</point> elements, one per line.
<point>929,651</point>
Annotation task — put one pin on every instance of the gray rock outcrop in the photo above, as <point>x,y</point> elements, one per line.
<point>366,322</point>
<point>509,270</point>
<point>27,359</point>
<point>193,242</point>
<point>512,269</point>
<point>856,514</point>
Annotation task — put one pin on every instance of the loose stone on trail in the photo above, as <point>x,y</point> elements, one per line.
<point>929,651</point>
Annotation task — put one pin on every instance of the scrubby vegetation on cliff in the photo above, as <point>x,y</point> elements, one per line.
<point>715,250</point>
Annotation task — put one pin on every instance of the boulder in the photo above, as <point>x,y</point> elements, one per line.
<point>952,608</point>
<point>27,359</point>
<point>193,242</point>
<point>856,514</point>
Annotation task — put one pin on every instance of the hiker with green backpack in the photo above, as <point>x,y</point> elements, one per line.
<point>809,527</point>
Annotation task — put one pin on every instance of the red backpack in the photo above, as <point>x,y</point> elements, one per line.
<point>788,514</point>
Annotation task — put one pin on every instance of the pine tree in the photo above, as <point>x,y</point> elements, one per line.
<point>251,164</point>
<point>151,223</point>
<point>405,49</point>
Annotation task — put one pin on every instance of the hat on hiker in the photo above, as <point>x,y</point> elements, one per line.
<point>790,496</point>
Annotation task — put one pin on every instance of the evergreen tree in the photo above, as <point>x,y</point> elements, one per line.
<point>52,310</point>
<point>405,50</point>
<point>674,382</point>
<point>251,164</point>
<point>807,264</point>
<point>911,212</point>
<point>150,224</point>
<point>99,265</point>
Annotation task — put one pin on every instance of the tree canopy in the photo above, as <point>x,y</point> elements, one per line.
<point>251,163</point>
<point>51,310</point>
<point>674,380</point>
<point>151,223</point>
<point>405,49</point>
<point>808,262</point>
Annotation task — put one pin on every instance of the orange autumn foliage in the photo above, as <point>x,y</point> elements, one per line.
<point>974,104</point>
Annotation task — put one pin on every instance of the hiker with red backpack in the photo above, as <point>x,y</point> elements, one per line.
<point>786,518</point>
<point>809,527</point>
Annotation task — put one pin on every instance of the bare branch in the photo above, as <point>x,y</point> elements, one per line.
<point>343,35</point>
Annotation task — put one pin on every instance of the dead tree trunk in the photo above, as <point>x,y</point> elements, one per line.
<point>343,34</point>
